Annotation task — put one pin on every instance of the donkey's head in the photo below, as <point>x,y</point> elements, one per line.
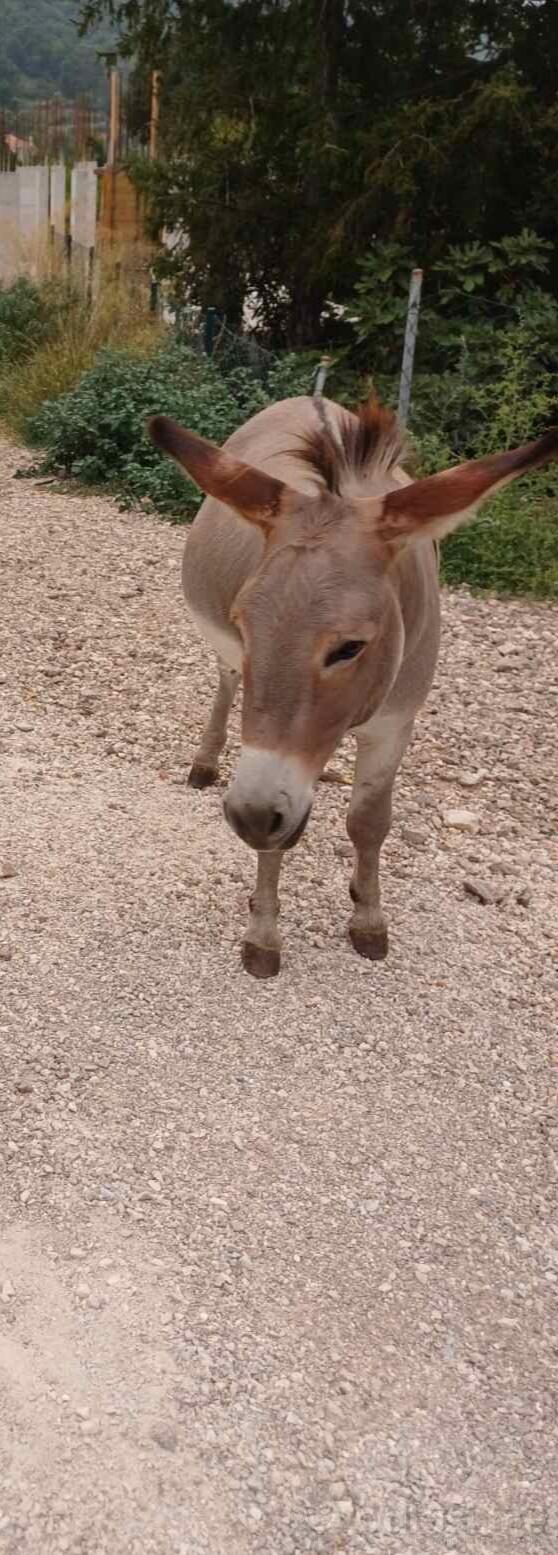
<point>321,619</point>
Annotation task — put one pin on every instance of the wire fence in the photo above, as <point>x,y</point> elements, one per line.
<point>231,351</point>
<point>59,129</point>
<point>210,336</point>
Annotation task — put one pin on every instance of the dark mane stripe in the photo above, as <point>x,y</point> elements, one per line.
<point>357,441</point>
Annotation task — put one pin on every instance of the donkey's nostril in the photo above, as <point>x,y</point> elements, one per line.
<point>256,824</point>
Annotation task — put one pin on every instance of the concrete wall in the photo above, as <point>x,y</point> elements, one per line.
<point>58,199</point>
<point>9,225</point>
<point>33,213</point>
<point>33,206</point>
<point>24,204</point>
<point>83,209</point>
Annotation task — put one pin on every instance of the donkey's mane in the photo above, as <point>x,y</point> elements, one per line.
<point>358,443</point>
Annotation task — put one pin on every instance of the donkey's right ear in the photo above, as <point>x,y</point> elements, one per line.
<point>434,506</point>
<point>254,495</point>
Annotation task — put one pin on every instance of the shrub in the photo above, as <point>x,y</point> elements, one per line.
<point>30,314</point>
<point>97,432</point>
<point>512,548</point>
<point>485,380</point>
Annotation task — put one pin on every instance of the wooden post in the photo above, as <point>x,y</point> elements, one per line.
<point>411,328</point>
<point>320,376</point>
<point>114,121</point>
<point>154,121</point>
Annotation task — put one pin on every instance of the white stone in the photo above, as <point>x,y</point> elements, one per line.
<point>460,820</point>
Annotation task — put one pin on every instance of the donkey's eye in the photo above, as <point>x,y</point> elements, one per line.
<point>345,651</point>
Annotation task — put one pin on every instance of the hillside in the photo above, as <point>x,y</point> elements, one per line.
<point>41,53</point>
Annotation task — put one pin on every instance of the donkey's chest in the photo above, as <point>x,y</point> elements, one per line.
<point>221,553</point>
<point>224,641</point>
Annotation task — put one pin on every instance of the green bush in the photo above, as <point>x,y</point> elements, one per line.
<point>97,432</point>
<point>494,388</point>
<point>512,548</point>
<point>29,315</point>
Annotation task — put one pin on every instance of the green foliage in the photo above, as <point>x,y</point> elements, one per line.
<point>29,315</point>
<point>512,548</point>
<point>297,135</point>
<point>494,388</point>
<point>292,374</point>
<point>510,264</point>
<point>487,345</point>
<point>380,305</point>
<point>97,433</point>
<point>486,361</point>
<point>470,293</point>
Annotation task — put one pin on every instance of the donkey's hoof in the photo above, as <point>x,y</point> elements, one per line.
<point>373,946</point>
<point>260,960</point>
<point>200,776</point>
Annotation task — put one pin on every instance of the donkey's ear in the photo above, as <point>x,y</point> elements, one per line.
<point>438,504</point>
<point>256,496</point>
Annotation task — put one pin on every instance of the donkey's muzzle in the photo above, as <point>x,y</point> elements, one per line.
<point>258,825</point>
<point>269,800</point>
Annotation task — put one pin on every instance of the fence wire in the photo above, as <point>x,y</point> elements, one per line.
<point>231,351</point>
<point>209,336</point>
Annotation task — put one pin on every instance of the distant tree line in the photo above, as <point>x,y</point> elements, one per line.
<point>41,53</point>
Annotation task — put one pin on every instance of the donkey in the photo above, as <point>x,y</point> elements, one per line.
<point>312,571</point>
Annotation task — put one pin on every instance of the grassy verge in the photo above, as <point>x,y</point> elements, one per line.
<point>512,547</point>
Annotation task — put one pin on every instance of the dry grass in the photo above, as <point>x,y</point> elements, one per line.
<point>116,315</point>
<point>19,255</point>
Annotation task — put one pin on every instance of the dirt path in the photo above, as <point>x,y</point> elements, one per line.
<point>278,1263</point>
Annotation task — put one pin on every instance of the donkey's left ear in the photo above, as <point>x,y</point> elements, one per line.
<point>438,504</point>
<point>250,492</point>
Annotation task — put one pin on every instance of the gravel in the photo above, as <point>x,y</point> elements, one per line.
<point>330,1201</point>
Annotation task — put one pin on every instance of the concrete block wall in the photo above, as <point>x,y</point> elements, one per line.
<point>33,203</point>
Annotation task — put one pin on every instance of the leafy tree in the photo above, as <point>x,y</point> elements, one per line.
<point>298,133</point>
<point>487,345</point>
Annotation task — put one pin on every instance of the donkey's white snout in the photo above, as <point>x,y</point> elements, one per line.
<point>269,800</point>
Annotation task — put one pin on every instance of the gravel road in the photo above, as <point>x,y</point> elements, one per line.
<point>278,1262</point>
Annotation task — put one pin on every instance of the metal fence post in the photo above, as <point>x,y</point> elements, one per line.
<point>209,330</point>
<point>411,328</point>
<point>153,294</point>
<point>320,376</point>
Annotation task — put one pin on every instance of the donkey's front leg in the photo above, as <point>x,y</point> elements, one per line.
<point>205,766</point>
<point>261,951</point>
<point>368,823</point>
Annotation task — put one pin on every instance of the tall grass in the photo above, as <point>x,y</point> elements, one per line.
<point>512,547</point>
<point>70,330</point>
